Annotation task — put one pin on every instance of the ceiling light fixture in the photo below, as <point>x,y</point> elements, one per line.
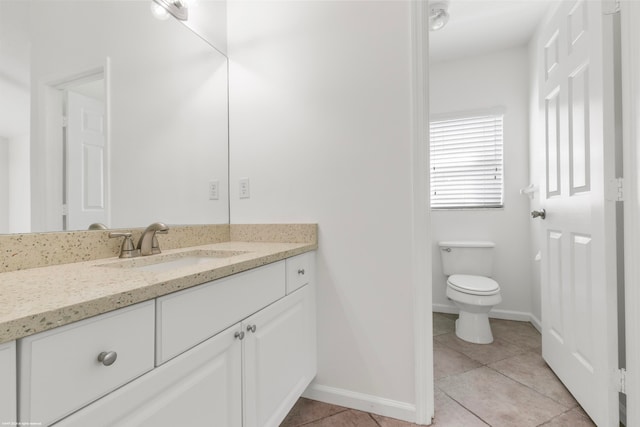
<point>438,15</point>
<point>177,8</point>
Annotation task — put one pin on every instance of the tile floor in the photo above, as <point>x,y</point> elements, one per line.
<point>505,383</point>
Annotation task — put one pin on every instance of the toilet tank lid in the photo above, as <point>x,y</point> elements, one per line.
<point>466,244</point>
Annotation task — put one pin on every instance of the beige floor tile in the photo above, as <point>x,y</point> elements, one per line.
<point>350,418</point>
<point>483,353</point>
<point>450,413</point>
<point>307,410</point>
<point>498,400</point>
<point>443,324</point>
<point>572,418</point>
<point>531,370</point>
<point>521,334</point>
<point>391,422</point>
<point>447,361</point>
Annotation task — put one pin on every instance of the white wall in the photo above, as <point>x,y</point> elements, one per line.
<point>4,185</point>
<point>208,18</point>
<point>499,79</point>
<point>320,121</point>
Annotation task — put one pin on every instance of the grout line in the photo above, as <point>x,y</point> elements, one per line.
<point>464,407</point>
<point>322,418</point>
<point>559,415</point>
<point>533,389</point>
<point>374,420</point>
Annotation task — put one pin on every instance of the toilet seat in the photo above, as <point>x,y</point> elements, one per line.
<point>473,285</point>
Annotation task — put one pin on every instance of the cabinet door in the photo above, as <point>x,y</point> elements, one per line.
<point>8,384</point>
<point>201,387</point>
<point>279,357</point>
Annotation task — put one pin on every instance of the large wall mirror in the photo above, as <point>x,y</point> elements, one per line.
<point>108,115</point>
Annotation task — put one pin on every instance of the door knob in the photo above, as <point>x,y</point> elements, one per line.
<point>542,214</point>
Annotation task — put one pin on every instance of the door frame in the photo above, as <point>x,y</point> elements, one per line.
<point>630,55</point>
<point>47,138</point>
<point>421,216</point>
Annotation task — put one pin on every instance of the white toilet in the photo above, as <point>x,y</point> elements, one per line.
<point>469,266</point>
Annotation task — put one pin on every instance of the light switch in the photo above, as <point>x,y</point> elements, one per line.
<point>244,188</point>
<point>214,193</point>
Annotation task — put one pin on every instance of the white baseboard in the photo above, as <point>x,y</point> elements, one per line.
<point>362,402</point>
<point>537,323</point>
<point>444,308</point>
<point>495,314</point>
<point>510,315</point>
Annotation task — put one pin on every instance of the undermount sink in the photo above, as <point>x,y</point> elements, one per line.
<point>167,262</point>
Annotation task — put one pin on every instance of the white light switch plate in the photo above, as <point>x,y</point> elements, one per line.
<point>214,193</point>
<point>244,188</point>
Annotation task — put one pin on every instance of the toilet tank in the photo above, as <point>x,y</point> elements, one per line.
<point>466,257</point>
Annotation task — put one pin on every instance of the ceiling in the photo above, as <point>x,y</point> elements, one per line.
<point>477,27</point>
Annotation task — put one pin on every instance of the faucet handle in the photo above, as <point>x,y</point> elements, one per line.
<point>128,249</point>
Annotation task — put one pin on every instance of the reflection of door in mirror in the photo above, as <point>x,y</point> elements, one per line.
<point>85,146</point>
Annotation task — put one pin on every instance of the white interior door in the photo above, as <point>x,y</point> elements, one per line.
<point>86,163</point>
<point>579,297</point>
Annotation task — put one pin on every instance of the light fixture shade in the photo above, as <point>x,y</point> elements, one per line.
<point>177,8</point>
<point>438,15</point>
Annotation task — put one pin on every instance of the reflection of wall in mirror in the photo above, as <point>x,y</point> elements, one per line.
<point>4,185</point>
<point>168,111</point>
<point>14,118</point>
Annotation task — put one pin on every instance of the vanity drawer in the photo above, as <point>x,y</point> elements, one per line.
<point>59,370</point>
<point>299,270</point>
<point>187,318</point>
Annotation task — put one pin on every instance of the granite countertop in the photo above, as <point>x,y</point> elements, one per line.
<point>38,299</point>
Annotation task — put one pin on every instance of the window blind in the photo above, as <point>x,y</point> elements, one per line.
<point>466,162</point>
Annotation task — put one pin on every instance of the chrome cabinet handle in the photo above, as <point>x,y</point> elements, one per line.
<point>251,328</point>
<point>239,335</point>
<point>542,214</point>
<point>301,271</point>
<point>107,358</point>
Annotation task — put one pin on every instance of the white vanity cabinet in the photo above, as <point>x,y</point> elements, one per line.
<point>213,385</point>
<point>235,352</point>
<point>202,387</point>
<point>8,384</point>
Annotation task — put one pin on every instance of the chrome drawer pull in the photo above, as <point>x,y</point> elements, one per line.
<point>301,271</point>
<point>239,335</point>
<point>251,328</point>
<point>107,358</point>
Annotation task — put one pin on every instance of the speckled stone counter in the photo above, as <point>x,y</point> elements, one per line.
<point>38,299</point>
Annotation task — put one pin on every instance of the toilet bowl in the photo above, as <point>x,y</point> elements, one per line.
<point>468,267</point>
<point>474,296</point>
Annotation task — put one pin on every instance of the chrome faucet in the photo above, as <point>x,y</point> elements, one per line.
<point>148,243</point>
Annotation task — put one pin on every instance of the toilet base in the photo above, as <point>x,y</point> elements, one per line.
<point>474,328</point>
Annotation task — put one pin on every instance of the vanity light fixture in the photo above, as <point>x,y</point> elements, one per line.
<point>438,15</point>
<point>177,8</point>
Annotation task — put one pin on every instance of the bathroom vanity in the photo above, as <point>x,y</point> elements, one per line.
<point>229,341</point>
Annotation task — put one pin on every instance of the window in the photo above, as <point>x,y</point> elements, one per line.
<point>466,161</point>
